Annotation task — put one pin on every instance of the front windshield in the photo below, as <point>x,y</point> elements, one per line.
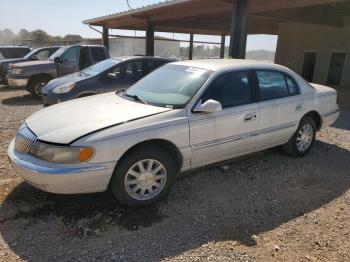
<point>100,67</point>
<point>170,86</point>
<point>58,53</point>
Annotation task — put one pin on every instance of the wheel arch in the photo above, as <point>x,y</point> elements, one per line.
<point>316,116</point>
<point>160,143</point>
<point>43,75</point>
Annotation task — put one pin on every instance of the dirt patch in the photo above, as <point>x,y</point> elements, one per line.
<point>269,207</point>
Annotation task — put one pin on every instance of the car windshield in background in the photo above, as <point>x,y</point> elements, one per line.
<point>58,53</point>
<point>170,86</point>
<point>100,67</point>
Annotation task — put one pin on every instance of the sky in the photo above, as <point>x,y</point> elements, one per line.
<point>61,17</point>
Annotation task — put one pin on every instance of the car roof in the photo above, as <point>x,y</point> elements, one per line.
<point>11,46</point>
<point>223,64</point>
<point>124,58</point>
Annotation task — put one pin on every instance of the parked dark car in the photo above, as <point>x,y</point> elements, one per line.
<point>110,75</point>
<point>8,52</point>
<point>38,54</point>
<point>66,60</point>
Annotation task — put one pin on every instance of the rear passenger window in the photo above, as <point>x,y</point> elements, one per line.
<point>230,89</point>
<point>272,85</point>
<point>98,54</point>
<point>134,69</point>
<point>292,86</point>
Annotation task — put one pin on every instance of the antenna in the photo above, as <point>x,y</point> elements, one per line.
<point>127,2</point>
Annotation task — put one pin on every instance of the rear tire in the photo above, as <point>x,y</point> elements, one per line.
<point>36,84</point>
<point>135,185</point>
<point>303,139</point>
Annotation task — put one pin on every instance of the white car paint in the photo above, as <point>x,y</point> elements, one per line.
<point>113,125</point>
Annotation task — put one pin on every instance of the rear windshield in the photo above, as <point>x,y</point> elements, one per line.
<point>14,52</point>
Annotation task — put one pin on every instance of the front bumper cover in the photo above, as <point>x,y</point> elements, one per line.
<point>61,179</point>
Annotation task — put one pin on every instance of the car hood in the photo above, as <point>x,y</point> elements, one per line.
<point>66,122</point>
<point>33,63</point>
<point>65,80</point>
<point>7,62</point>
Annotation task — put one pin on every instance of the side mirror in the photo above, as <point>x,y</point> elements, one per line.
<point>209,106</point>
<point>34,57</point>
<point>57,60</point>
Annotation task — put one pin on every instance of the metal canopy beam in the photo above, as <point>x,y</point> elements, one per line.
<point>105,37</point>
<point>238,39</point>
<point>190,53</point>
<point>149,39</point>
<point>222,47</point>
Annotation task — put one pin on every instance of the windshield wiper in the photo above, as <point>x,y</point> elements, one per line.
<point>136,98</point>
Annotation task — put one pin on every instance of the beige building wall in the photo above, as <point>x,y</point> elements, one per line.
<point>296,38</point>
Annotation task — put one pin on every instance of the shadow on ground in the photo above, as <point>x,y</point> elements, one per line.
<point>26,99</point>
<point>249,197</point>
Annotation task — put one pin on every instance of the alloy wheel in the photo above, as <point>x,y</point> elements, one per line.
<point>305,137</point>
<point>145,179</point>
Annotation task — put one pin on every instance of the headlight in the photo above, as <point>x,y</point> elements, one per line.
<point>61,154</point>
<point>23,125</point>
<point>63,89</point>
<point>17,71</point>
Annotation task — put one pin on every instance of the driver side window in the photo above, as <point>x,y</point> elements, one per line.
<point>230,89</point>
<point>72,55</point>
<point>43,55</point>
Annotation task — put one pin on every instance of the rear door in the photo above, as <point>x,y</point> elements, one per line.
<point>280,105</point>
<point>98,54</point>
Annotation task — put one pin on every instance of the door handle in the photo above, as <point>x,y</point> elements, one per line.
<point>298,107</point>
<point>250,117</point>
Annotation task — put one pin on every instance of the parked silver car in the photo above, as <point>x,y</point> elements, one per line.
<point>182,116</point>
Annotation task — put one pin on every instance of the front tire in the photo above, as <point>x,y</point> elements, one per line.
<point>303,139</point>
<point>36,84</point>
<point>143,177</point>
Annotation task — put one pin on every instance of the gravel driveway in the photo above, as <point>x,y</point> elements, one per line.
<point>266,207</point>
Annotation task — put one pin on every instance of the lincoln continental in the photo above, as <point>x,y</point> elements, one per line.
<point>182,116</point>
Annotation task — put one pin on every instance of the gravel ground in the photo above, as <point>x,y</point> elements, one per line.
<point>269,207</point>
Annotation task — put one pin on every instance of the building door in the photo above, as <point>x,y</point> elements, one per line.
<point>309,66</point>
<point>336,69</point>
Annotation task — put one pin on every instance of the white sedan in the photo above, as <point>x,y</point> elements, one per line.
<point>182,116</point>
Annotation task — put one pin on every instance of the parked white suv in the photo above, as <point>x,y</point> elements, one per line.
<point>182,116</point>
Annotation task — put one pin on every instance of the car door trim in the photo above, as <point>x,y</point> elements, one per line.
<point>243,136</point>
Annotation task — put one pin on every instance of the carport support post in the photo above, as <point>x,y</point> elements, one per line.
<point>238,39</point>
<point>149,39</point>
<point>222,47</point>
<point>105,37</point>
<point>190,52</point>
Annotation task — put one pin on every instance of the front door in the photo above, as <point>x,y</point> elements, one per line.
<point>231,132</point>
<point>281,107</point>
<point>336,69</point>
<point>69,61</point>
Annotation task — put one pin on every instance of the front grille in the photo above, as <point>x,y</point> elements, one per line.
<point>23,144</point>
